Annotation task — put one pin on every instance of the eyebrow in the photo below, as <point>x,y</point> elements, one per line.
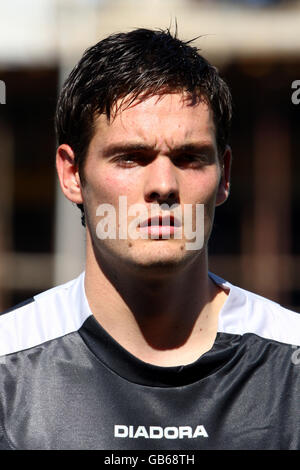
<point>194,148</point>
<point>114,149</point>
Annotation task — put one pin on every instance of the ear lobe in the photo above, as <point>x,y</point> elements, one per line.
<point>68,174</point>
<point>224,185</point>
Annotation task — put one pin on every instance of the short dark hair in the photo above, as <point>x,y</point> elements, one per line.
<point>139,64</point>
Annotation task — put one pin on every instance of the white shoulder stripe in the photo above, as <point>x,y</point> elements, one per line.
<point>52,314</point>
<point>64,309</point>
<point>245,312</point>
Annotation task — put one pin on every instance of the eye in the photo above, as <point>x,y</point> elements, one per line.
<point>190,160</point>
<point>131,160</point>
<point>126,161</point>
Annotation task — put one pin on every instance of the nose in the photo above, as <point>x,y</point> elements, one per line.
<point>161,183</point>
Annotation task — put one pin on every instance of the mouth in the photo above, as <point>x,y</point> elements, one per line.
<point>160,226</point>
<point>161,221</point>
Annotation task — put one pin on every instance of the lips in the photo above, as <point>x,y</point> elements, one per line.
<point>160,226</point>
<point>161,221</point>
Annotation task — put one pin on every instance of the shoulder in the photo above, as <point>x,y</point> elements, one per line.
<point>246,312</point>
<point>48,315</point>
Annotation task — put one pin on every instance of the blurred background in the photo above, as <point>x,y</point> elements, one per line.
<point>256,46</point>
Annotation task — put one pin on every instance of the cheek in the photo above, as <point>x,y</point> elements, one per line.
<point>203,189</point>
<point>107,187</point>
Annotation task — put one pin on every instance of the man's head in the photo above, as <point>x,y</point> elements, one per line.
<point>136,64</point>
<point>145,118</point>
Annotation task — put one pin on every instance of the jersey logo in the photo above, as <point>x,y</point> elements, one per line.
<point>157,432</point>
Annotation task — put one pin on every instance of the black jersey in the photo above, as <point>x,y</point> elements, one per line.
<point>65,383</point>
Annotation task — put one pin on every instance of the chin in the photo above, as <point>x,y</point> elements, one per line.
<point>157,258</point>
<point>162,257</point>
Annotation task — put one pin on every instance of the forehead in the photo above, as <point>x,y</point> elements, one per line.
<point>166,119</point>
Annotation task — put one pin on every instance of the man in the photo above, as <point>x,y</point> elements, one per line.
<point>146,349</point>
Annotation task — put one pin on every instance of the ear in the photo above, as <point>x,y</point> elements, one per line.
<point>224,185</point>
<point>68,173</point>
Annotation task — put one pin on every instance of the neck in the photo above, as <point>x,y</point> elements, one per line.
<point>162,318</point>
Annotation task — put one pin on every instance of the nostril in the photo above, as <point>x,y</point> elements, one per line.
<point>154,196</point>
<point>169,198</point>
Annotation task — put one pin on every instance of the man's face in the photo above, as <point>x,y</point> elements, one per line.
<point>158,151</point>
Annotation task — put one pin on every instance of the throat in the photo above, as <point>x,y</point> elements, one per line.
<point>165,343</point>
<point>169,333</point>
<point>166,323</point>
